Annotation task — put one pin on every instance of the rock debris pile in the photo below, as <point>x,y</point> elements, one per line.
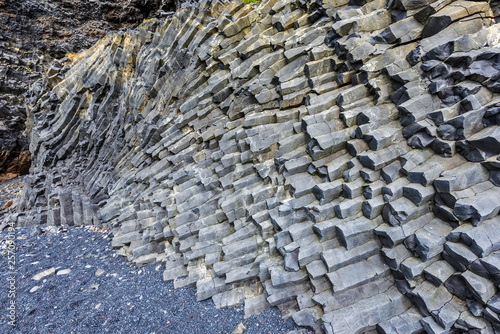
<point>337,159</point>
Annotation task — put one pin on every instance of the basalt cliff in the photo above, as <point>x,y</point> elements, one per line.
<point>337,159</point>
<point>33,34</point>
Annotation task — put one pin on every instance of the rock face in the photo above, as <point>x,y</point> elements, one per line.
<point>14,163</point>
<point>33,34</point>
<point>336,159</point>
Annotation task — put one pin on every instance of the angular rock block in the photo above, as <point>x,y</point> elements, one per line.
<point>485,205</point>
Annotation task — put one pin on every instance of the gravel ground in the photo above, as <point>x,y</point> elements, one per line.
<point>92,290</point>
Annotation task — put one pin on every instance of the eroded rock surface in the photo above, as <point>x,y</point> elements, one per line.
<point>336,159</point>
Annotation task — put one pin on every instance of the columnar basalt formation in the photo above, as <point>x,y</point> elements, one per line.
<point>336,159</point>
<point>33,34</point>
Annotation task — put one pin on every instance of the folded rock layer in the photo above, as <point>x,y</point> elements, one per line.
<point>336,159</point>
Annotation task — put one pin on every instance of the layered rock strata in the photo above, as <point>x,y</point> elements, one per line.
<point>336,159</point>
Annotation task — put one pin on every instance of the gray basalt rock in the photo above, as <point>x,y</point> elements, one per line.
<point>29,44</point>
<point>320,157</point>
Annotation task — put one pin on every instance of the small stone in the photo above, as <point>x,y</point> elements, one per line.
<point>50,229</point>
<point>34,289</point>
<point>43,274</point>
<point>93,287</point>
<point>63,272</point>
<point>240,329</point>
<point>36,231</point>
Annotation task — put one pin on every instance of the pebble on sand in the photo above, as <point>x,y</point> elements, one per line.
<point>45,273</point>
<point>63,272</point>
